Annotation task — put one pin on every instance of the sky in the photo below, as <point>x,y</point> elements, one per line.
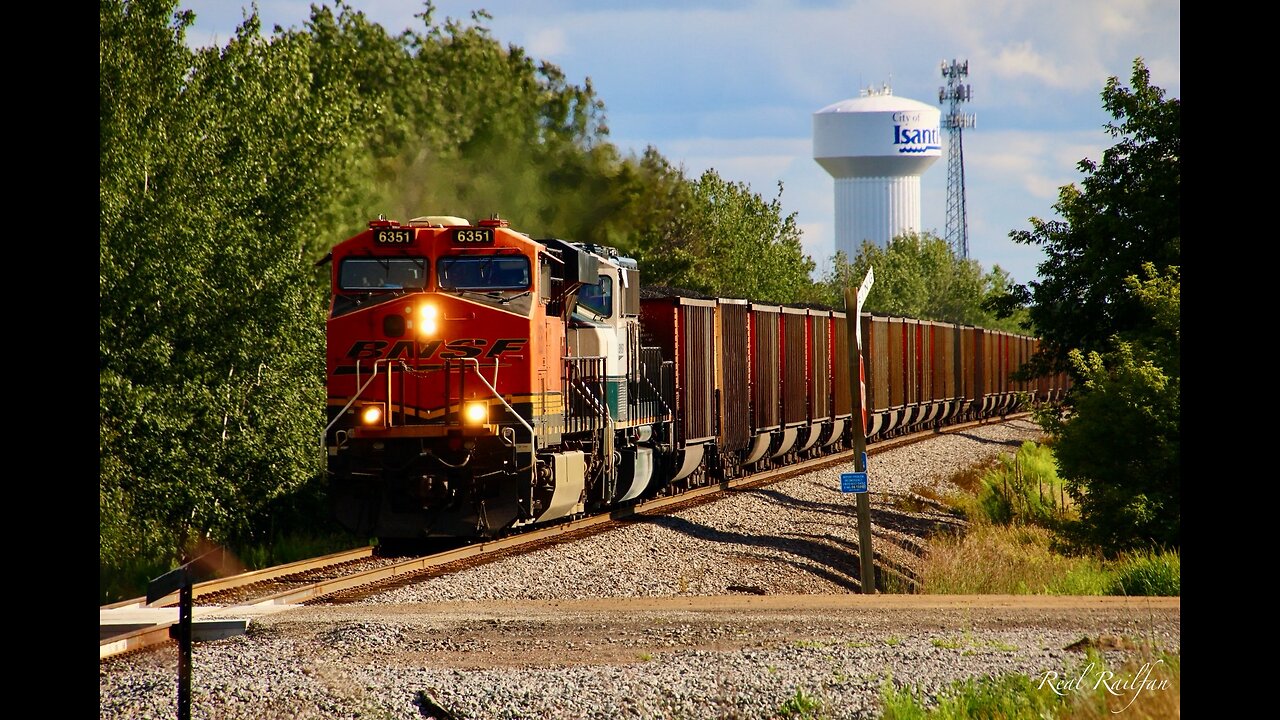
<point>733,85</point>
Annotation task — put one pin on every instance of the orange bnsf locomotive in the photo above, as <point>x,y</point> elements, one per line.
<point>481,381</point>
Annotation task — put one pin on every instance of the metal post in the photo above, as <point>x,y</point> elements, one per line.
<point>179,579</point>
<point>184,651</point>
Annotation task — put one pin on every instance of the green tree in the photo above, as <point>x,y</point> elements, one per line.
<point>655,223</point>
<point>470,127</point>
<point>1127,212</point>
<point>213,166</point>
<point>1120,448</point>
<point>918,275</point>
<point>1118,445</point>
<point>996,284</point>
<point>733,243</point>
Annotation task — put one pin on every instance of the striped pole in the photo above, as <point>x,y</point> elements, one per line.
<point>862,383</point>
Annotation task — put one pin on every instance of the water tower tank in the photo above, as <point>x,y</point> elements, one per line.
<point>876,147</point>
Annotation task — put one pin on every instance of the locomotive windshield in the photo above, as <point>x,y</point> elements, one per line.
<point>372,274</point>
<point>598,298</point>
<point>483,272</point>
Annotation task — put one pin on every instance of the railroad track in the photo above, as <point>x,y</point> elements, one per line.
<point>356,574</point>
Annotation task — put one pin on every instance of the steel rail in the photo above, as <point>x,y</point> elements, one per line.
<point>248,578</point>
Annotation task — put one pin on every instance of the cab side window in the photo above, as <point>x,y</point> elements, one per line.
<point>598,298</point>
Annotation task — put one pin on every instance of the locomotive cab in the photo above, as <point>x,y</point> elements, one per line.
<point>480,380</point>
<point>612,380</point>
<point>443,381</point>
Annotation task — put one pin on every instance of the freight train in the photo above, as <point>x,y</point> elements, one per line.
<point>481,381</point>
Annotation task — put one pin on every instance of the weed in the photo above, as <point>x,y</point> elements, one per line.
<point>813,644</point>
<point>970,644</point>
<point>802,705</point>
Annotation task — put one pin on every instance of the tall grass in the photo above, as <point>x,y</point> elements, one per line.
<point>1020,514</point>
<point>1017,560</point>
<point>287,549</point>
<point>1147,573</point>
<point>1022,488</point>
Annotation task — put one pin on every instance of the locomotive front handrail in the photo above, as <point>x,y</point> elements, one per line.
<point>359,391</point>
<point>603,411</point>
<point>501,399</point>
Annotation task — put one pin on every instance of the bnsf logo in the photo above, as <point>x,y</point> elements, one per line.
<point>454,349</point>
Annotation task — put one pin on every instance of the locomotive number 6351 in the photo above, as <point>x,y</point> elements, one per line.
<point>473,235</point>
<point>393,236</point>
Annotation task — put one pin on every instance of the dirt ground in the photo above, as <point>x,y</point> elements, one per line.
<point>489,634</point>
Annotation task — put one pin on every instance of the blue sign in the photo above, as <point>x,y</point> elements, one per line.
<point>854,482</point>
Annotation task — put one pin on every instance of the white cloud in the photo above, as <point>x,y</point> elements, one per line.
<point>546,43</point>
<point>1020,60</point>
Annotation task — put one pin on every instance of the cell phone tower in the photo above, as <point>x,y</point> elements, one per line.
<point>956,91</point>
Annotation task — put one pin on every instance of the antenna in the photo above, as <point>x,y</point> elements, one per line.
<point>956,92</point>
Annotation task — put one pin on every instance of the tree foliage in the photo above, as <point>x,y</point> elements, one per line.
<point>1126,212</point>
<point>1107,310</point>
<point>1120,449</point>
<point>918,275</point>
<point>210,325</point>
<point>733,243</point>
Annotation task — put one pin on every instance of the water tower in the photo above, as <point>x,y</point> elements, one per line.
<point>876,146</point>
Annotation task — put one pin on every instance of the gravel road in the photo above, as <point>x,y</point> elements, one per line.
<point>746,608</point>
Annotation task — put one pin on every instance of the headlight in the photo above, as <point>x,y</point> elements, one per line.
<point>427,315</point>
<point>476,413</point>
<point>371,415</point>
